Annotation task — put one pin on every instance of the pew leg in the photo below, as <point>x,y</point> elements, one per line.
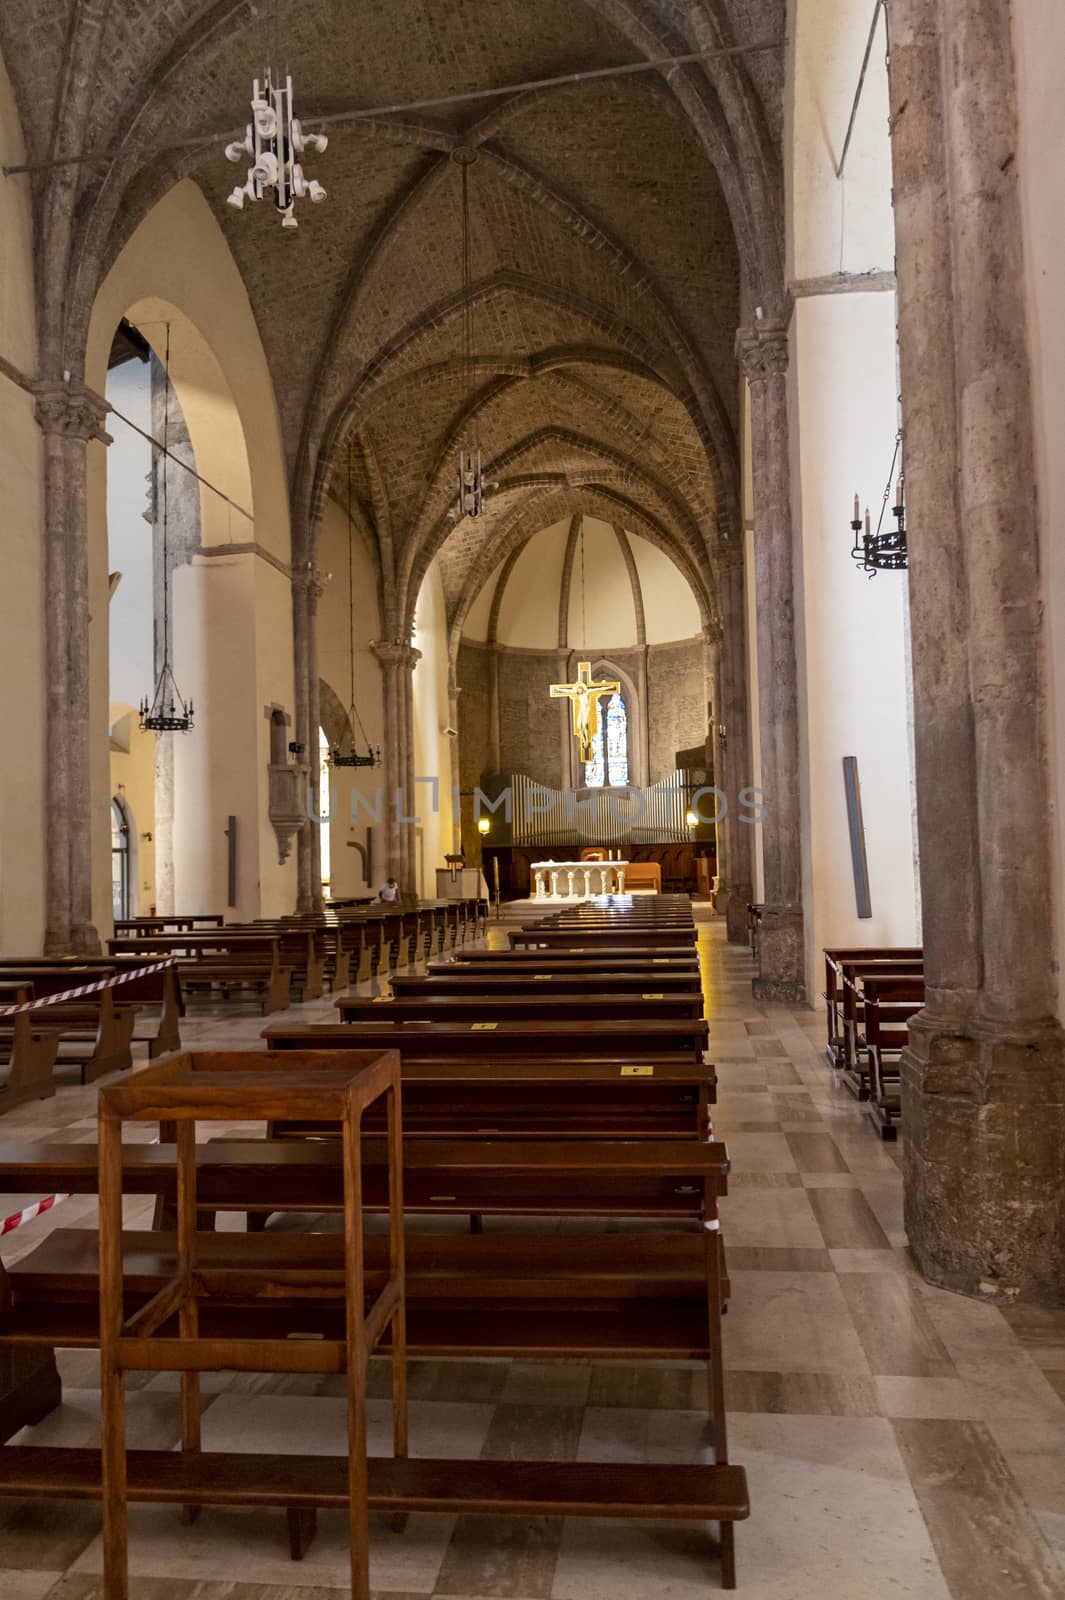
<point>302,1527</point>
<point>728,1555</point>
<point>257,1221</point>
<point>476,1222</point>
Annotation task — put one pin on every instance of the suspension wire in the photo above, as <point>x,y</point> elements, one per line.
<point>166,508</point>
<point>178,462</point>
<point>353,715</point>
<point>584,595</point>
<point>432,103</point>
<point>878,6</point>
<point>467,293</point>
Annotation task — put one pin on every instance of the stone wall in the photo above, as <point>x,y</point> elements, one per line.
<point>530,731</point>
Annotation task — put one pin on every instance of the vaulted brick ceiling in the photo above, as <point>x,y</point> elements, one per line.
<point>605,258</point>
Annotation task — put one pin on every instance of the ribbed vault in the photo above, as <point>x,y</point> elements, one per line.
<point>616,225</point>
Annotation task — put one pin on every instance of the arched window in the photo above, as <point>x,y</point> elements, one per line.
<point>120,875</point>
<point>609,766</point>
<point>324,775</point>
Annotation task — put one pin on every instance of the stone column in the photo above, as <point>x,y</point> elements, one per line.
<point>735,747</point>
<point>397,664</point>
<point>984,1075</point>
<point>316,582</point>
<point>301,675</point>
<point>763,352</point>
<point>69,416</point>
<point>454,689</point>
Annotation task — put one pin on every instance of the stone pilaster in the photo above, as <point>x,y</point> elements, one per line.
<point>304,892</point>
<point>69,416</point>
<point>315,583</point>
<point>763,352</point>
<point>735,746</point>
<point>984,1075</point>
<point>398,661</point>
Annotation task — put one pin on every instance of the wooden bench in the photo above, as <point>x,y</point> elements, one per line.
<point>618,1038</point>
<point>853,1066</point>
<point>489,980</point>
<point>575,960</point>
<point>652,1295</point>
<point>154,993</point>
<point>187,924</point>
<point>224,960</point>
<point>888,1003</point>
<point>538,1001</point>
<point>835,1046</point>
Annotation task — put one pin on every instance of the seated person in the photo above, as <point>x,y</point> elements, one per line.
<point>389,890</point>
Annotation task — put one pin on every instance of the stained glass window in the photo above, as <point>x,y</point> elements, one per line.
<point>610,748</point>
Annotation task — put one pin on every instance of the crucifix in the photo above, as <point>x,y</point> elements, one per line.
<point>585,696</point>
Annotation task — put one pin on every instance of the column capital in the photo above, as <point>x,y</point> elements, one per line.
<point>71,409</point>
<point>309,579</point>
<point>762,350</point>
<point>393,653</point>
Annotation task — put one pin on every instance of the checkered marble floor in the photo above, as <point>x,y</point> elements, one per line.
<point>901,1443</point>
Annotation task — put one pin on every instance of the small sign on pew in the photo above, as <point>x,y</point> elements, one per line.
<point>484,1027</point>
<point>637,1072</point>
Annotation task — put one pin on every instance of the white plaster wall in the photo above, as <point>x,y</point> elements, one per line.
<point>843,388</point>
<point>852,634</point>
<point>837,226</point>
<point>23,785</point>
<point>600,606</point>
<point>216,766</point>
<point>432,748</point>
<point>1039,45</point>
<point>334,664</point>
<point>177,267</point>
<point>129,536</point>
<point>528,616</point>
<point>671,611</point>
<point>477,618</point>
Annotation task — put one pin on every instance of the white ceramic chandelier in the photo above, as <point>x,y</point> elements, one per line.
<point>275,141</point>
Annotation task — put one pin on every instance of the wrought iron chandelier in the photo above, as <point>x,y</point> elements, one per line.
<point>168,712</point>
<point>886,549</point>
<point>345,753</point>
<point>275,141</point>
<point>472,489</point>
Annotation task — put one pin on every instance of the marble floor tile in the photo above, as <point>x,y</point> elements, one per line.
<point>816,1152</point>
<point>990,1546</point>
<point>776,1217</point>
<point>841,1365</point>
<point>27,1585</point>
<point>501,1557</point>
<point>632,1561</point>
<point>824,1474</point>
<point>790,1322</point>
<point>846,1221</point>
<point>896,1332</point>
<point>251,1547</point>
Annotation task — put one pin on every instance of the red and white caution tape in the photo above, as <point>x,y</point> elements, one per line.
<point>27,1214</point>
<point>83,988</point>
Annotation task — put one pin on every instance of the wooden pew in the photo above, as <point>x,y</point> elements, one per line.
<point>93,1032</point>
<point>619,1038</point>
<point>227,959</point>
<point>539,1000</point>
<point>652,1295</point>
<point>489,981</point>
<point>854,1068</point>
<point>835,1046</point>
<point>187,924</point>
<point>575,960</point>
<point>152,993</point>
<point>888,1003</point>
